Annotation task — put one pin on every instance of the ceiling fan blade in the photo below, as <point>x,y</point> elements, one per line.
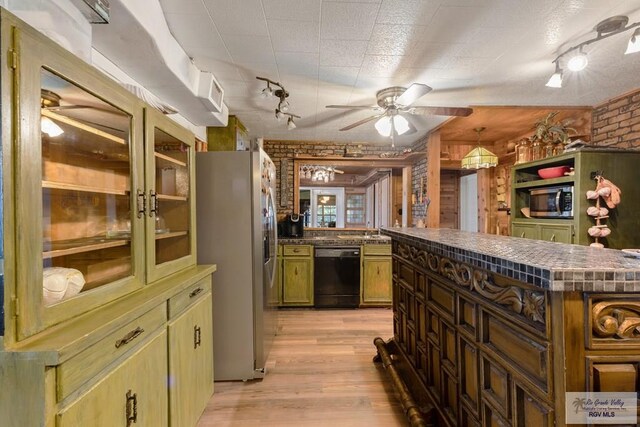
<point>361,122</point>
<point>412,128</point>
<point>354,107</point>
<point>412,93</point>
<point>441,111</point>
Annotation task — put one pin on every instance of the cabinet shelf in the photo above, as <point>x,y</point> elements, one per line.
<point>170,235</point>
<point>83,188</point>
<point>173,198</point>
<point>165,158</point>
<point>76,246</point>
<point>79,125</point>
<point>544,182</point>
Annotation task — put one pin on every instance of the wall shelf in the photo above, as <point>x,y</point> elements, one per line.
<point>82,188</point>
<point>172,198</point>
<point>82,126</point>
<point>63,248</point>
<point>162,159</point>
<point>160,236</point>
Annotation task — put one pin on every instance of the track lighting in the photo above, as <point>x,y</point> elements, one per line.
<point>283,105</point>
<point>607,28</point>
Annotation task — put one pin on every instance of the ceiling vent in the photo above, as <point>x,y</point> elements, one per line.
<point>210,93</point>
<point>96,11</point>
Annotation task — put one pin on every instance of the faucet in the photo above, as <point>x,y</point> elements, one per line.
<point>366,232</point>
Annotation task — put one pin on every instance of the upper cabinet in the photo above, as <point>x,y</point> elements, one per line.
<point>170,189</point>
<point>103,187</point>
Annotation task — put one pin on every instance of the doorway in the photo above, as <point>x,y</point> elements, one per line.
<point>469,202</point>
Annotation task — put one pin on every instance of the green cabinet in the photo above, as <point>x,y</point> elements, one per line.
<point>375,276</point>
<point>190,362</point>
<point>297,275</point>
<point>133,393</point>
<point>618,166</point>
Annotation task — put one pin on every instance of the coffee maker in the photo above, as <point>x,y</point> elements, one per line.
<point>293,226</point>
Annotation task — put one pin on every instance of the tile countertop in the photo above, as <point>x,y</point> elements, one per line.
<point>353,240</point>
<point>549,265</point>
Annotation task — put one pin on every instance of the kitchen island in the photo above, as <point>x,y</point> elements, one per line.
<point>494,330</point>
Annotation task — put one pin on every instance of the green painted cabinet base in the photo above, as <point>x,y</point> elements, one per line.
<point>375,275</point>
<point>297,275</point>
<point>562,233</point>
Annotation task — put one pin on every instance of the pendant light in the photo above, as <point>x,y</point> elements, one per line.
<point>479,158</point>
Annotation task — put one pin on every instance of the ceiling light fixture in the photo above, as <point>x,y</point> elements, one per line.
<point>283,107</point>
<point>479,158</point>
<point>607,28</point>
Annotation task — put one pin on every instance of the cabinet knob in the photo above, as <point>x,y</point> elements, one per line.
<point>131,408</point>
<point>296,250</point>
<point>296,271</point>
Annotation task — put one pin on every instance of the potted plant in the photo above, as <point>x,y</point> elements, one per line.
<point>551,134</point>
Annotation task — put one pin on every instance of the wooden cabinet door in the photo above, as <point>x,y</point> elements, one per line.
<point>376,280</point>
<point>298,281</point>
<point>527,231</point>
<point>137,389</point>
<point>190,363</point>
<point>556,233</point>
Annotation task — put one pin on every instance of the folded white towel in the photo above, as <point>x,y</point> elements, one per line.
<point>60,283</point>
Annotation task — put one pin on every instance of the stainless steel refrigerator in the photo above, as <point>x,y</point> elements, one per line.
<point>236,223</point>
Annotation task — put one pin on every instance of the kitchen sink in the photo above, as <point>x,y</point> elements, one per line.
<point>358,237</point>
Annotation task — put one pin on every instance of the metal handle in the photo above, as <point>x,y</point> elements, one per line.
<point>378,270</point>
<point>296,250</point>
<point>141,202</point>
<point>522,234</point>
<point>153,203</point>
<point>195,292</point>
<point>296,271</point>
<point>132,408</point>
<point>129,337</point>
<point>553,238</point>
<point>196,336</point>
<point>558,201</point>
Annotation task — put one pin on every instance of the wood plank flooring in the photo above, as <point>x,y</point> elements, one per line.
<point>319,373</point>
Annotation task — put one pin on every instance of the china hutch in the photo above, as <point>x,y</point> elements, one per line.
<point>103,300</point>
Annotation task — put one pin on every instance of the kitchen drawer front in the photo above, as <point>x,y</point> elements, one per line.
<point>527,231</point>
<point>297,250</point>
<point>529,410</point>
<point>189,296</point>
<point>524,354</point>
<point>494,383</point>
<point>86,364</point>
<point>556,233</point>
<point>376,249</point>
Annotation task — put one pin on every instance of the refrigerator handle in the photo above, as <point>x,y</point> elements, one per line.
<point>274,235</point>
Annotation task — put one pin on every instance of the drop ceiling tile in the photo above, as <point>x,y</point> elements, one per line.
<point>293,36</point>
<point>182,6</point>
<point>218,53</point>
<point>348,21</point>
<point>244,17</point>
<point>296,10</point>
<point>380,65</point>
<point>194,30</point>
<point>222,70</point>
<point>345,76</point>
<point>237,88</point>
<point>249,70</point>
<point>246,49</point>
<point>342,53</point>
<point>393,39</point>
<point>413,12</point>
<point>452,25</point>
<point>303,64</point>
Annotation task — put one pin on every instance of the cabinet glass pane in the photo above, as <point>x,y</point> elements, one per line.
<point>172,197</point>
<point>355,208</point>
<point>86,181</point>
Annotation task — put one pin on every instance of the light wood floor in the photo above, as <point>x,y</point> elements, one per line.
<point>319,373</point>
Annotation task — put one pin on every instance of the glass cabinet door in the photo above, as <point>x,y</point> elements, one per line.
<point>170,183</point>
<point>76,210</point>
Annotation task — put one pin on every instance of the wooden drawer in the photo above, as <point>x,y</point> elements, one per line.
<point>467,317</point>
<point>448,346</point>
<point>376,249</point>
<point>86,364</point>
<point>491,418</point>
<point>184,299</point>
<point>297,250</point>
<point>526,355</point>
<point>529,410</point>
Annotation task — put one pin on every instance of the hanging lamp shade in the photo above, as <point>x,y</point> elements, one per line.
<point>479,158</point>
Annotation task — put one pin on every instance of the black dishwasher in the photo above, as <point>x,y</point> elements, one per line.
<point>337,277</point>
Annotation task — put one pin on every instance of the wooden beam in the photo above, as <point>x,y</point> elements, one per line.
<point>433,179</point>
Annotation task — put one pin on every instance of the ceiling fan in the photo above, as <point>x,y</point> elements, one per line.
<point>395,105</point>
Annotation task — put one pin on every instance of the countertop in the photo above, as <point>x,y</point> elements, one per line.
<point>346,240</point>
<point>549,265</point>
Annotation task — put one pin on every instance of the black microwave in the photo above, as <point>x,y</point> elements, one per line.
<point>551,202</point>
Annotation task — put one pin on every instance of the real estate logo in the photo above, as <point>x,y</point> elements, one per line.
<point>601,408</point>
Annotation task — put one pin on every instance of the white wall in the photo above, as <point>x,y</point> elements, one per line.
<point>327,191</point>
<point>469,202</point>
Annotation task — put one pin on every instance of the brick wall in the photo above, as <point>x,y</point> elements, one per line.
<point>616,123</point>
<point>418,170</point>
<point>279,150</point>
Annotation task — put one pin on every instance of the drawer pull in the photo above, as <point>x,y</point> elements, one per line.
<point>195,292</point>
<point>522,234</point>
<point>141,202</point>
<point>132,408</point>
<point>129,337</point>
<point>553,237</point>
<point>296,250</point>
<point>196,336</point>
<point>296,271</point>
<point>378,270</point>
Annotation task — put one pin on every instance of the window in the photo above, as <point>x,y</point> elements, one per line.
<point>326,211</point>
<point>356,208</point>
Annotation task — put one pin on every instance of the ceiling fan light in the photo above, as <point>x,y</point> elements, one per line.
<point>400,124</point>
<point>634,43</point>
<point>578,62</point>
<point>383,126</point>
<point>284,106</point>
<point>50,128</point>
<point>479,158</point>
